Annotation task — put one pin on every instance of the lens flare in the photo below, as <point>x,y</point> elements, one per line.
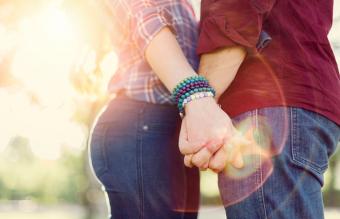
<point>238,184</point>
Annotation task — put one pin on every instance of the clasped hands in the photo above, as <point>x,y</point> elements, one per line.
<point>208,138</point>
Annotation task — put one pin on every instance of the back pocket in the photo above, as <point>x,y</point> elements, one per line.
<point>312,141</point>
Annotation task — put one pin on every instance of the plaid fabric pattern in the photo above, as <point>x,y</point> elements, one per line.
<point>141,21</point>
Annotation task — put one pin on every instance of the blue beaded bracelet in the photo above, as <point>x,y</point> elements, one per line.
<point>188,84</point>
<point>189,89</point>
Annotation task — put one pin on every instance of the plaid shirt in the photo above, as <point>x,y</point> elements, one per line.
<point>141,21</point>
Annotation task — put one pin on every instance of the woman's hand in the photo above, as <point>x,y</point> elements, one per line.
<point>206,129</point>
<point>208,138</point>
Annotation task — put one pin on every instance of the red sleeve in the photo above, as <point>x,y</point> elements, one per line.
<point>227,23</point>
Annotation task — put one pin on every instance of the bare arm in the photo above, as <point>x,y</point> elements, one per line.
<point>221,66</point>
<point>167,59</point>
<point>236,25</point>
<point>205,123</point>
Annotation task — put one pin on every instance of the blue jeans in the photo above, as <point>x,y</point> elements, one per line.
<point>288,184</point>
<point>135,156</point>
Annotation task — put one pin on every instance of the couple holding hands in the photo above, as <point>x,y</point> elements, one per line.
<point>251,92</point>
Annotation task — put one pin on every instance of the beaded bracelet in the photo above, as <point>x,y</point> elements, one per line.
<point>194,97</point>
<point>192,92</point>
<point>189,84</point>
<point>188,87</point>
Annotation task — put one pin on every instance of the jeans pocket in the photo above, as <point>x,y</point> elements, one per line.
<point>97,150</point>
<point>311,142</point>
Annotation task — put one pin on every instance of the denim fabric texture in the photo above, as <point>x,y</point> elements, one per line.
<point>135,156</point>
<point>288,185</point>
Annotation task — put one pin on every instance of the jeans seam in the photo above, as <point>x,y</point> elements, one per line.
<point>261,192</point>
<point>293,132</point>
<point>258,177</point>
<point>140,176</point>
<point>140,163</point>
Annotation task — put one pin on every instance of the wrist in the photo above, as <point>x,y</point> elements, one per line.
<point>200,104</point>
<point>192,88</point>
<point>217,96</point>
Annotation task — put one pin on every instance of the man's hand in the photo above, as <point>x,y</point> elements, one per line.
<point>220,68</point>
<point>206,129</point>
<point>232,152</point>
<point>208,144</point>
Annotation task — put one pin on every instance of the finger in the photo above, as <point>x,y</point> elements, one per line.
<point>187,161</point>
<point>185,146</point>
<point>229,151</point>
<point>234,149</point>
<point>205,166</point>
<point>214,146</point>
<point>234,155</point>
<point>201,158</point>
<point>244,146</point>
<point>237,161</point>
<point>240,140</point>
<point>239,143</point>
<point>218,161</point>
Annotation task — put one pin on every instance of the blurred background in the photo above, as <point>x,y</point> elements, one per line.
<point>56,59</point>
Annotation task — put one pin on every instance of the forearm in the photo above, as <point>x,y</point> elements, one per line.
<point>220,67</point>
<point>167,60</point>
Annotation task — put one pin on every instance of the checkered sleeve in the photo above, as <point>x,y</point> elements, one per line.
<point>149,19</point>
<point>143,19</point>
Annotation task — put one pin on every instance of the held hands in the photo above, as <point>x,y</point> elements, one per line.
<point>208,138</point>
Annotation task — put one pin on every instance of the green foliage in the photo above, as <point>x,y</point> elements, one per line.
<point>331,194</point>
<point>22,176</point>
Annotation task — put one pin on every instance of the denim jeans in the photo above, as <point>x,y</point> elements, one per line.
<point>287,185</point>
<point>135,156</point>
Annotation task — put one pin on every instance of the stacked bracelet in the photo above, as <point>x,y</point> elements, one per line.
<point>195,97</point>
<point>191,88</point>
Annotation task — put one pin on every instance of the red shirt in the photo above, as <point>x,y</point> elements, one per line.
<point>298,67</point>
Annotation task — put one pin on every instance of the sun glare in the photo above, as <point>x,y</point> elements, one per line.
<point>45,53</point>
<point>46,48</point>
<point>57,24</point>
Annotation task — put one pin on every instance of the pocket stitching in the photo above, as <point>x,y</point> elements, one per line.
<point>296,157</point>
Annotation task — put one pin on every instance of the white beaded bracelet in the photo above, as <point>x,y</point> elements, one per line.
<point>197,96</point>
